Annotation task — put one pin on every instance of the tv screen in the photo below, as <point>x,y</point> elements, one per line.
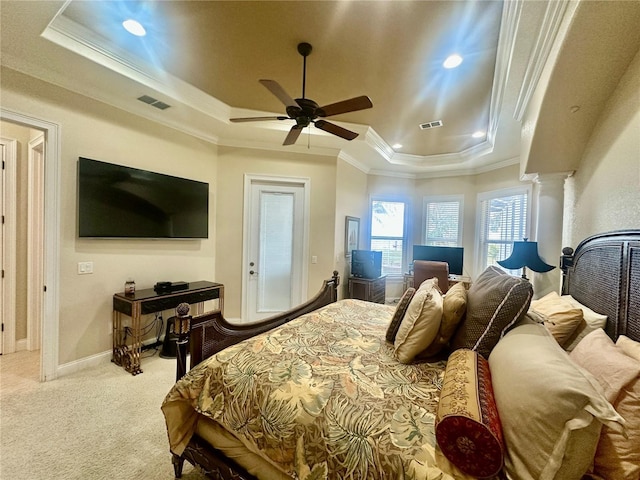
<point>123,202</point>
<point>454,256</point>
<point>366,263</point>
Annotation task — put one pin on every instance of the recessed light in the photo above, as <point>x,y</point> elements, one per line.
<point>478,134</point>
<point>397,146</point>
<point>134,27</point>
<point>452,61</point>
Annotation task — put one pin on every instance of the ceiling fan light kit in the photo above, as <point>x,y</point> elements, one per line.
<point>305,111</point>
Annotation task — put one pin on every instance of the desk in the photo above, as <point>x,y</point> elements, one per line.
<point>127,340</point>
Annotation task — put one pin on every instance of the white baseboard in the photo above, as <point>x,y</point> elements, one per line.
<point>22,344</point>
<point>83,363</point>
<point>89,362</point>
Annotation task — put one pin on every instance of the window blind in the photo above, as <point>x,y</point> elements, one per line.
<point>442,223</point>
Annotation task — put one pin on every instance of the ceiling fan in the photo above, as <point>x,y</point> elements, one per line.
<point>305,111</point>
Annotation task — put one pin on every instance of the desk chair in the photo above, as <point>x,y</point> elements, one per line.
<point>425,269</point>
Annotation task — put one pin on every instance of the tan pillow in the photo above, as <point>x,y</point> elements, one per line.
<point>559,315</point>
<point>619,374</point>
<point>421,322</point>
<point>629,347</point>
<point>591,321</point>
<point>453,309</point>
<point>551,410</point>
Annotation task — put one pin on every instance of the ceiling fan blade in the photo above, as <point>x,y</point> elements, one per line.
<point>256,119</point>
<point>293,135</point>
<point>335,129</point>
<point>351,105</point>
<point>275,88</point>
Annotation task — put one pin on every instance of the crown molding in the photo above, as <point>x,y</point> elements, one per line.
<point>78,39</point>
<point>552,20</point>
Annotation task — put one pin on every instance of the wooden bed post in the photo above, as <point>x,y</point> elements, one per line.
<point>566,261</point>
<point>182,326</point>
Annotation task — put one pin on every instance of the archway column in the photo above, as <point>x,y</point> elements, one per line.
<point>549,227</point>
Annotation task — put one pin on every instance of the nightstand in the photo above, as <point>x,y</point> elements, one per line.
<point>369,289</point>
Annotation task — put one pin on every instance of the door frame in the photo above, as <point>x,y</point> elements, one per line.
<point>35,241</point>
<point>249,180</point>
<point>9,201</point>
<point>51,236</point>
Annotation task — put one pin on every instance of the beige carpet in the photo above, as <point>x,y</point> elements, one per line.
<point>100,423</point>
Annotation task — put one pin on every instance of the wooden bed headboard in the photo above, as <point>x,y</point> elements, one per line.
<point>603,273</point>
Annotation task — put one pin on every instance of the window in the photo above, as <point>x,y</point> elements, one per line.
<point>388,234</point>
<point>504,218</point>
<point>442,220</point>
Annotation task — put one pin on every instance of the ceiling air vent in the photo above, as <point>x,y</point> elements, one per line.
<point>434,124</point>
<point>153,102</point>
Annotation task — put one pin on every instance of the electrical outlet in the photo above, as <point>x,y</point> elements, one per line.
<point>85,268</point>
<point>314,259</point>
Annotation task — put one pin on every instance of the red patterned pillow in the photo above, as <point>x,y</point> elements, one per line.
<point>468,429</point>
<point>398,315</point>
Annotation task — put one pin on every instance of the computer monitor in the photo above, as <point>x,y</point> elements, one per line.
<point>454,256</point>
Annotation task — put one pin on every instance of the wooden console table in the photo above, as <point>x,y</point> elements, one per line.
<point>127,341</point>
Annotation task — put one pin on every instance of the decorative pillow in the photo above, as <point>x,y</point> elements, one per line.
<point>467,424</point>
<point>420,323</point>
<point>454,306</point>
<point>616,456</point>
<point>591,321</point>
<point>495,302</point>
<point>629,347</point>
<point>401,309</point>
<point>619,457</point>
<point>613,369</point>
<point>559,315</point>
<point>551,410</point>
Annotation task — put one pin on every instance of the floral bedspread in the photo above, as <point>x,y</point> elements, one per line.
<point>320,397</point>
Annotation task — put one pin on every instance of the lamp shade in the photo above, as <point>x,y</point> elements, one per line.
<point>525,254</point>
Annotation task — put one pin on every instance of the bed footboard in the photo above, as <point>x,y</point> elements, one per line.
<point>210,461</point>
<point>211,333</point>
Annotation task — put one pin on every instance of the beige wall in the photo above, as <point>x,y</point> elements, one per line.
<point>92,129</point>
<point>604,193</point>
<point>352,201</point>
<point>233,164</point>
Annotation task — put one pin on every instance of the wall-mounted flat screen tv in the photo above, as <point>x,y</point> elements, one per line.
<point>454,256</point>
<point>115,201</point>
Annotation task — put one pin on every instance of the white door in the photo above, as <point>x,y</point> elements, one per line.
<point>8,207</point>
<point>2,248</point>
<point>275,273</point>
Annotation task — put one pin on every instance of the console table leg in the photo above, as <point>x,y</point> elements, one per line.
<point>178,463</point>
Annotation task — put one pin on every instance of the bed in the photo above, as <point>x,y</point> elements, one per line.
<point>329,390</point>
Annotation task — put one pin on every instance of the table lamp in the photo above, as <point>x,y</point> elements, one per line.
<point>525,255</point>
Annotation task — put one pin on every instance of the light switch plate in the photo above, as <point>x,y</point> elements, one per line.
<point>85,268</point>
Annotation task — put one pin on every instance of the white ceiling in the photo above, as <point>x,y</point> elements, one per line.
<point>204,58</point>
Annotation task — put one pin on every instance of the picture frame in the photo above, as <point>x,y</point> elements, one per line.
<point>351,235</point>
